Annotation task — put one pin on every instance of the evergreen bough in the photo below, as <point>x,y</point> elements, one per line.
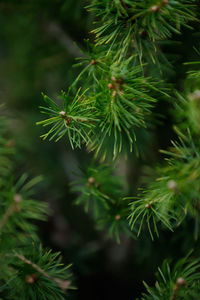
<point>107,107</point>
<point>27,270</point>
<point>121,81</point>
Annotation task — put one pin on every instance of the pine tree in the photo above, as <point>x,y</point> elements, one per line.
<point>111,110</point>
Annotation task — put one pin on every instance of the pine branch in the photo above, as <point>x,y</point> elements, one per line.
<point>118,98</point>
<point>141,24</point>
<point>100,191</point>
<point>63,284</point>
<point>36,274</point>
<point>75,119</point>
<point>178,282</point>
<point>109,111</point>
<point>175,193</point>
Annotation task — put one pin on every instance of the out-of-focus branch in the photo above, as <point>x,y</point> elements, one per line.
<point>11,209</point>
<point>63,284</point>
<point>63,38</point>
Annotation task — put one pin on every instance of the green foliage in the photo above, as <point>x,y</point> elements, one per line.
<point>178,282</point>
<point>124,104</point>
<point>18,208</point>
<point>118,95</point>
<point>120,83</point>
<point>175,193</point>
<point>187,106</point>
<point>139,24</point>
<point>75,119</point>
<point>36,274</point>
<point>116,101</point>
<point>27,271</point>
<point>100,191</point>
<point>111,102</point>
<point>187,109</point>
<point>97,187</point>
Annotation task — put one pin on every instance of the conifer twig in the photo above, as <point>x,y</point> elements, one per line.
<point>63,284</point>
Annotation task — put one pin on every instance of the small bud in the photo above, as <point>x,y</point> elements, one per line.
<point>155,8</point>
<point>117,217</point>
<point>111,86</point>
<point>91,180</point>
<point>172,185</point>
<point>67,121</point>
<point>165,2</point>
<point>195,95</point>
<point>62,114</point>
<point>30,279</point>
<point>181,281</point>
<point>17,198</point>
<point>113,78</point>
<point>176,287</point>
<point>93,62</point>
<point>114,93</point>
<point>10,143</point>
<point>148,205</point>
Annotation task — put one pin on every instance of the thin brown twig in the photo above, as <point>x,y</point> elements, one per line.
<point>63,284</point>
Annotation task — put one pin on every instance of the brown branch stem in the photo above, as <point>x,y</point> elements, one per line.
<point>63,284</point>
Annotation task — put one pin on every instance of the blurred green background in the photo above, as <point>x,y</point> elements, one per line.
<point>40,40</point>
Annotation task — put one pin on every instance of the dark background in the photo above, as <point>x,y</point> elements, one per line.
<point>37,52</point>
